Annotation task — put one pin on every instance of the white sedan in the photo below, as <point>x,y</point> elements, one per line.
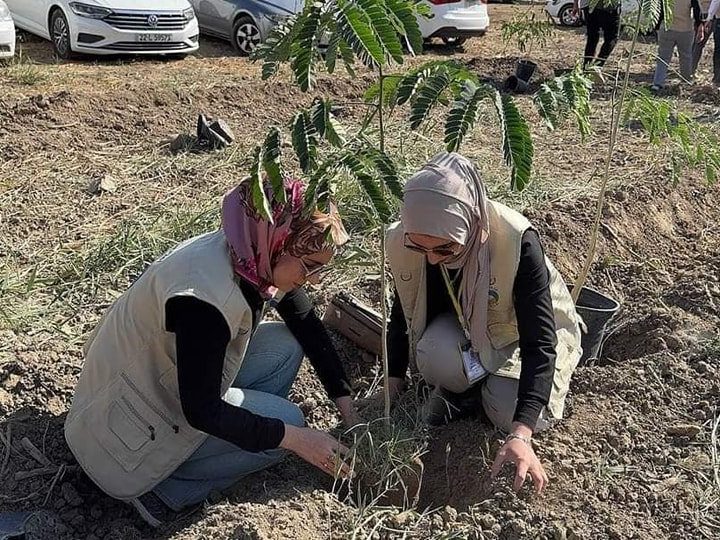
<point>455,20</point>
<point>7,32</point>
<point>561,11</point>
<point>110,26</point>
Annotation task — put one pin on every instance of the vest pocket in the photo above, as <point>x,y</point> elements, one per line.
<point>126,426</point>
<point>148,403</point>
<point>502,334</point>
<point>131,429</point>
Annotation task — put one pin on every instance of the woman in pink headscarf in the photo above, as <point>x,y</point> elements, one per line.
<point>184,389</point>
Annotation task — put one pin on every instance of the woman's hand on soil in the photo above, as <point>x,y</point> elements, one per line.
<point>348,412</point>
<point>526,462</point>
<point>317,448</point>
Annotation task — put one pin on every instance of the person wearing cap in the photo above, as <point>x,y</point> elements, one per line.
<point>479,311</point>
<point>184,389</point>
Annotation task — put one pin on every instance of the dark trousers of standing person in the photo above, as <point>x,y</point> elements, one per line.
<point>700,46</point>
<point>607,21</point>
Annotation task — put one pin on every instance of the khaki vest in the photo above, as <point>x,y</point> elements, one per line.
<point>502,357</point>
<point>126,426</point>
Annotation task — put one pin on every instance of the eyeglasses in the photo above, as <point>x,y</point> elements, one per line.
<point>443,250</point>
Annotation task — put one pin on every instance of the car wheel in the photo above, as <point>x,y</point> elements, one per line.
<point>60,35</point>
<point>246,36</point>
<point>567,17</point>
<point>454,41</point>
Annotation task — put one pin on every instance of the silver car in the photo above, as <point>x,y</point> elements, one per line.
<point>245,23</point>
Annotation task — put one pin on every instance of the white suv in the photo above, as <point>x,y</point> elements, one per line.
<point>455,20</point>
<point>110,26</point>
<point>7,32</point>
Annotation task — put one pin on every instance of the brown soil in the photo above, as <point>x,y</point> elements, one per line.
<point>634,457</point>
<point>615,468</point>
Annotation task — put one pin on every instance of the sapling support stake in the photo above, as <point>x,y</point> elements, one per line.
<point>383,276</point>
<point>615,126</point>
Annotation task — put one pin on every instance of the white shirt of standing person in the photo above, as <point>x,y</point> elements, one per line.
<point>713,10</point>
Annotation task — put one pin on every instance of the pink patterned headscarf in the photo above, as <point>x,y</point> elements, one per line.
<point>255,243</point>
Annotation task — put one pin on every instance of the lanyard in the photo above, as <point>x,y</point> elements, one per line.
<point>455,302</point>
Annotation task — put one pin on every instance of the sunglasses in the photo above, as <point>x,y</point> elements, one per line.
<point>444,250</point>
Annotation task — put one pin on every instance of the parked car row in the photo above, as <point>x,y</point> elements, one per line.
<point>173,27</point>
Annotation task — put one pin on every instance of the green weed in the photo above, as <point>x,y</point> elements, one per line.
<point>21,70</point>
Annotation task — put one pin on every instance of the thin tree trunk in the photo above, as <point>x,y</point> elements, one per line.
<point>383,276</point>
<point>615,125</point>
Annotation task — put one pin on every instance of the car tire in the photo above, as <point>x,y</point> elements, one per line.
<point>454,41</point>
<point>566,17</point>
<point>60,35</point>
<point>245,36</point>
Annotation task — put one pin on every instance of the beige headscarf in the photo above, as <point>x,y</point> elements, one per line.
<point>447,199</point>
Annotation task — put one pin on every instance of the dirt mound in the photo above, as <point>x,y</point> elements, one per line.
<point>630,458</point>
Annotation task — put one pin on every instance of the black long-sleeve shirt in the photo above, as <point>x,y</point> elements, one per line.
<point>202,336</point>
<point>535,319</point>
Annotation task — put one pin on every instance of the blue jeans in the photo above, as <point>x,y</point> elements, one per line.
<point>270,366</point>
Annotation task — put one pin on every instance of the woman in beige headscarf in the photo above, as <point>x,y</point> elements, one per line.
<point>481,313</point>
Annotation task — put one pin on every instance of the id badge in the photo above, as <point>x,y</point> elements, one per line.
<point>474,370</point>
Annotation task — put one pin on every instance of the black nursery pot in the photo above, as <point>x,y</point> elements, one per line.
<point>596,310</point>
<point>525,70</point>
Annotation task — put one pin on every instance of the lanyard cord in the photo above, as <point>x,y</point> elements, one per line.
<point>455,302</point>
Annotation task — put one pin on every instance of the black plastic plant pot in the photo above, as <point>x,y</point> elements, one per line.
<point>515,84</point>
<point>525,70</point>
<point>596,310</point>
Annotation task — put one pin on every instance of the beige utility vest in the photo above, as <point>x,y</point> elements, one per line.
<point>502,355</point>
<point>126,426</point>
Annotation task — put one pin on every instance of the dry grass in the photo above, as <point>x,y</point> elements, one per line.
<point>23,71</point>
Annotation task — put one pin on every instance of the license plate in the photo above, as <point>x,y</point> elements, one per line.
<point>153,38</point>
<point>471,3</point>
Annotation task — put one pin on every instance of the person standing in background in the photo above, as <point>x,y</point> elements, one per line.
<point>679,33</point>
<point>705,30</point>
<point>604,16</point>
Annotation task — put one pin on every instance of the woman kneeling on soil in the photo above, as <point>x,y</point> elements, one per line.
<point>182,355</point>
<point>485,317</point>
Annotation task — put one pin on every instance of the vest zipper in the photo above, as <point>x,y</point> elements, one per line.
<point>150,405</point>
<point>137,415</point>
